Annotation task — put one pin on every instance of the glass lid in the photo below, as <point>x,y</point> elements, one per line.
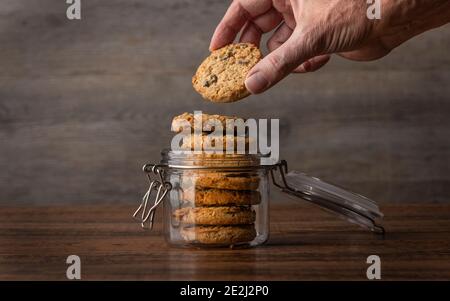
<point>353,207</point>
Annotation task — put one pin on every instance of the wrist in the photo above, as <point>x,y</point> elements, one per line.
<point>403,19</point>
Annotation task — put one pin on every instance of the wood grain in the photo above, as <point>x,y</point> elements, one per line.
<point>84,104</point>
<point>306,243</point>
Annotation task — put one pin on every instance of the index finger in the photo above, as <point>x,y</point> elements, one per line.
<point>239,12</point>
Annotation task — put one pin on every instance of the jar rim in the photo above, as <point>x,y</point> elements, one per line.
<point>191,159</point>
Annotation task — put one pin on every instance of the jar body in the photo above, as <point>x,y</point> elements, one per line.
<point>217,207</point>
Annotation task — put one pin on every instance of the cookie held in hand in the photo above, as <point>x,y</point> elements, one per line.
<point>221,76</point>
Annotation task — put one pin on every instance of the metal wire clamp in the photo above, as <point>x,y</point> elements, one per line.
<point>155,175</point>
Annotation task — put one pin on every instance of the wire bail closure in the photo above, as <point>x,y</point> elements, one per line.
<point>157,184</point>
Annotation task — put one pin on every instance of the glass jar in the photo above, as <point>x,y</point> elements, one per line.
<point>222,200</point>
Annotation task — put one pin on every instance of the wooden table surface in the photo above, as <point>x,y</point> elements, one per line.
<point>306,244</point>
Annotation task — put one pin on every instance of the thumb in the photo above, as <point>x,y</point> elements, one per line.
<point>276,65</point>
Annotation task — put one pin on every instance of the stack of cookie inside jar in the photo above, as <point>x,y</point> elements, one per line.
<point>217,198</point>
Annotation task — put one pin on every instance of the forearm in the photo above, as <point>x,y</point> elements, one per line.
<point>403,19</point>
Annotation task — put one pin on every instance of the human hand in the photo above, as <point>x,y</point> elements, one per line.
<point>310,30</point>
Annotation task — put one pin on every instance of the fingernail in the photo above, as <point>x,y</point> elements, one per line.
<point>256,83</point>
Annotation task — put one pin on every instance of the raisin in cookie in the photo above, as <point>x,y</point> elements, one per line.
<point>215,215</point>
<point>220,197</point>
<point>221,76</point>
<point>218,235</point>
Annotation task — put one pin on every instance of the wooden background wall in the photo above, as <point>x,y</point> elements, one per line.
<point>83,104</point>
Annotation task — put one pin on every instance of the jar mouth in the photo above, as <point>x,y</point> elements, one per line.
<point>191,159</point>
